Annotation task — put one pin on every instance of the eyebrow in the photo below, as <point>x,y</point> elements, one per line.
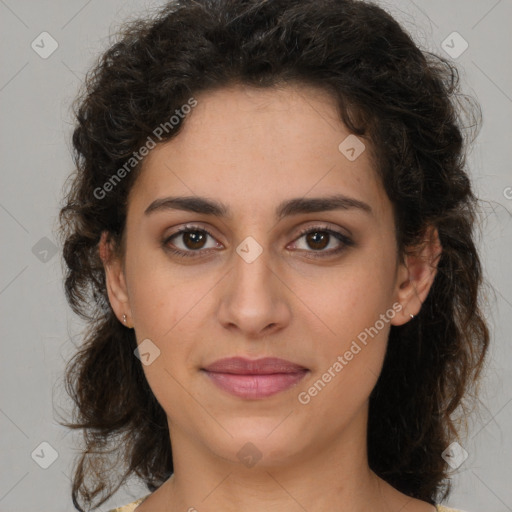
<point>287,208</point>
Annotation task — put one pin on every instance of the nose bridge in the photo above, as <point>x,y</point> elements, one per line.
<point>252,270</point>
<point>251,300</point>
<point>251,258</point>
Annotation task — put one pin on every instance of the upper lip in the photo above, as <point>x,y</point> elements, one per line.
<point>244,366</point>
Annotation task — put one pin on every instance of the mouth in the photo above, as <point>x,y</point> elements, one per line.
<point>256,378</point>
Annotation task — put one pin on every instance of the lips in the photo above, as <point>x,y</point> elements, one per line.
<point>243,366</point>
<point>254,378</point>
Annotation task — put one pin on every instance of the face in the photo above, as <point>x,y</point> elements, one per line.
<point>246,281</point>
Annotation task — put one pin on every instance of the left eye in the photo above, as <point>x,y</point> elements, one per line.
<point>193,240</point>
<point>318,238</point>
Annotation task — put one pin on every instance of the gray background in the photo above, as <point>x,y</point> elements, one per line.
<point>40,333</point>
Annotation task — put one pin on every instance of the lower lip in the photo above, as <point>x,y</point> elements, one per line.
<point>255,386</point>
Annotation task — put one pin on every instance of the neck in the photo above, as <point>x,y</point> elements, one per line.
<point>332,474</point>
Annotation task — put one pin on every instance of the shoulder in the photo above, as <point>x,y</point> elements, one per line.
<point>130,507</point>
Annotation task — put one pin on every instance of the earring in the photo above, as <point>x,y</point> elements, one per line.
<point>412,316</point>
<point>125,318</point>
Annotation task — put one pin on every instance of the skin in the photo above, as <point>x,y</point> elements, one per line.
<point>251,149</point>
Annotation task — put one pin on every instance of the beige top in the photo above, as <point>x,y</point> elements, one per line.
<point>132,506</point>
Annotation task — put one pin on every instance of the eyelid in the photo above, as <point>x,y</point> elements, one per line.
<point>325,226</point>
<point>185,229</point>
<point>345,240</point>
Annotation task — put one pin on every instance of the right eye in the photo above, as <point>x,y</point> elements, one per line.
<point>193,240</point>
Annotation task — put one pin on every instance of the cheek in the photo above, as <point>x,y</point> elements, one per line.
<point>162,315</point>
<point>354,336</point>
<point>159,294</point>
<point>352,340</point>
<point>168,309</point>
<point>349,298</point>
<point>354,311</point>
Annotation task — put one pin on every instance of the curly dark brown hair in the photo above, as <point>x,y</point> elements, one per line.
<point>403,101</point>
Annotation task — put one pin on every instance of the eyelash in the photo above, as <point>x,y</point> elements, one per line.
<point>346,242</point>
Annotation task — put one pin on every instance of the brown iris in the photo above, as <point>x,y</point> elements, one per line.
<point>318,239</point>
<point>195,238</point>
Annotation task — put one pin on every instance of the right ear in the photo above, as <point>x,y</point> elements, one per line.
<point>115,279</point>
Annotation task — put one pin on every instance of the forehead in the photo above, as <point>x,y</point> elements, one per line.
<point>250,146</point>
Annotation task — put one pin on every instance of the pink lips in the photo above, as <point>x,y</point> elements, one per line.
<point>254,378</point>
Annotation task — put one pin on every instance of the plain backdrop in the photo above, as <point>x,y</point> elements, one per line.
<point>39,333</point>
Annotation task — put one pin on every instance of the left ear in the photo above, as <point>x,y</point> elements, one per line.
<point>416,275</point>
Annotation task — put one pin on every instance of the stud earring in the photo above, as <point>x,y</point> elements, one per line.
<point>125,318</point>
<point>412,316</point>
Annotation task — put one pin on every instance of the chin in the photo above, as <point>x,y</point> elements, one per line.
<point>266,442</point>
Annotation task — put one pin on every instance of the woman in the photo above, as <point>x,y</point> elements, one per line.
<point>270,233</point>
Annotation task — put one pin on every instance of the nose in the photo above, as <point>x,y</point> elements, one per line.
<point>253,298</point>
